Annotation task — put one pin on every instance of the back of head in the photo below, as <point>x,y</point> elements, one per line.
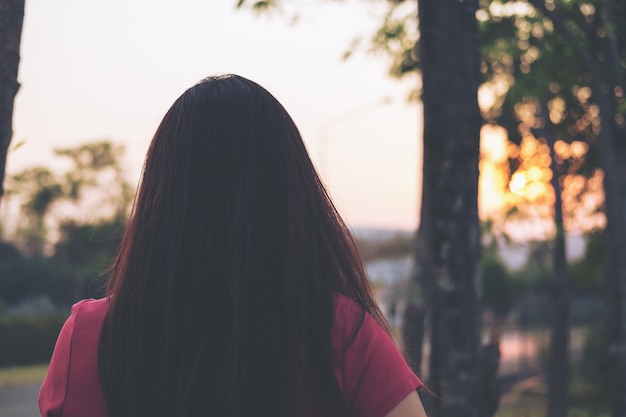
<point>221,293</point>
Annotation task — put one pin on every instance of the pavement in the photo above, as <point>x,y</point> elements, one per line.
<point>19,401</point>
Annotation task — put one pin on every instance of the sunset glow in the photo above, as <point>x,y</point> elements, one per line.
<point>529,189</point>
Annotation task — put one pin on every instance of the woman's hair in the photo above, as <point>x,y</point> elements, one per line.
<point>221,294</point>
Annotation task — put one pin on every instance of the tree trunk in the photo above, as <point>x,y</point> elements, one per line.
<point>615,276</point>
<point>449,235</point>
<point>11,19</point>
<point>558,353</point>
<point>612,144</point>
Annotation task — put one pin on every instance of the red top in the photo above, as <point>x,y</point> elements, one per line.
<point>372,374</point>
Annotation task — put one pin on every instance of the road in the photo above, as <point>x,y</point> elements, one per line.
<point>19,401</point>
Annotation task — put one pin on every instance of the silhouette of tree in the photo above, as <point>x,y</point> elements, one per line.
<point>11,19</point>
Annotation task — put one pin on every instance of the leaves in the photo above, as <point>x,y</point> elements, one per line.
<point>94,179</point>
<point>259,6</point>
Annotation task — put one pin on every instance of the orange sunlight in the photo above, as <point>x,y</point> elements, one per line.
<point>528,190</point>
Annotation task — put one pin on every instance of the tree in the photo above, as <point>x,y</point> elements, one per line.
<point>558,355</point>
<point>83,185</point>
<point>41,189</point>
<point>570,57</point>
<point>87,205</point>
<point>498,289</point>
<point>449,232</point>
<point>567,60</point>
<point>11,19</point>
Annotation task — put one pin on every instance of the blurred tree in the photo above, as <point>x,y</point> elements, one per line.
<point>498,288</point>
<point>11,20</point>
<point>397,246</point>
<point>42,189</point>
<point>564,62</point>
<point>588,271</point>
<point>558,68</point>
<point>86,249</point>
<point>558,355</point>
<point>448,239</point>
<point>93,183</point>
<point>94,165</point>
<point>80,187</point>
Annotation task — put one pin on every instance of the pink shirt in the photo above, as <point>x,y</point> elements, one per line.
<point>371,372</point>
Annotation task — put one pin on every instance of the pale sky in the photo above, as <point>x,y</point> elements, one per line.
<point>109,69</point>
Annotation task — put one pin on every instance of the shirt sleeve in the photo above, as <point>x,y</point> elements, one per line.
<point>375,376</point>
<point>54,388</point>
<point>72,385</point>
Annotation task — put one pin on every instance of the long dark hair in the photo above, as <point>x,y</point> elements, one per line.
<point>221,295</point>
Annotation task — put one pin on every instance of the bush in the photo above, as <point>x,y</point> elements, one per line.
<point>28,340</point>
<point>594,368</point>
<point>499,292</point>
<point>64,283</point>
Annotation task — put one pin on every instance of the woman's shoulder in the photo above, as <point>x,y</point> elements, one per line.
<point>85,322</point>
<point>346,306</point>
<point>349,318</point>
<point>89,313</point>
<point>372,374</point>
<point>72,384</point>
<point>91,306</point>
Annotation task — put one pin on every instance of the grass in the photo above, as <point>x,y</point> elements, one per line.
<point>22,375</point>
<point>528,399</point>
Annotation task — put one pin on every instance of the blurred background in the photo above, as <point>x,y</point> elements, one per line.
<point>548,197</point>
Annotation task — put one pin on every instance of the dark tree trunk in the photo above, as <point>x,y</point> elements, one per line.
<point>613,164</point>
<point>413,326</point>
<point>11,19</point>
<point>605,69</point>
<point>558,353</point>
<point>448,242</point>
<point>419,288</point>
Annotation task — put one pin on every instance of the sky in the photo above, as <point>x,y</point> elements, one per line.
<point>110,69</point>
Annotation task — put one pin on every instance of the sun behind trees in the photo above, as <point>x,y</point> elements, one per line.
<point>515,190</point>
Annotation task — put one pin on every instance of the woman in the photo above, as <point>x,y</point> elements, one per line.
<point>237,289</point>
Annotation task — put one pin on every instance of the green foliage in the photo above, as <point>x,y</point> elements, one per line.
<point>95,177</point>
<point>538,269</point>
<point>594,368</point>
<point>86,243</point>
<point>587,273</point>
<point>22,375</point>
<point>28,340</point>
<point>398,38</point>
<point>87,250</point>
<point>397,246</point>
<point>259,6</point>
<point>93,157</point>
<point>499,290</point>
<point>538,54</point>
<point>23,278</point>
<point>75,270</point>
<point>41,185</point>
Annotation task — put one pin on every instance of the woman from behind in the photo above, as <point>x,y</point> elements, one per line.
<point>237,289</point>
